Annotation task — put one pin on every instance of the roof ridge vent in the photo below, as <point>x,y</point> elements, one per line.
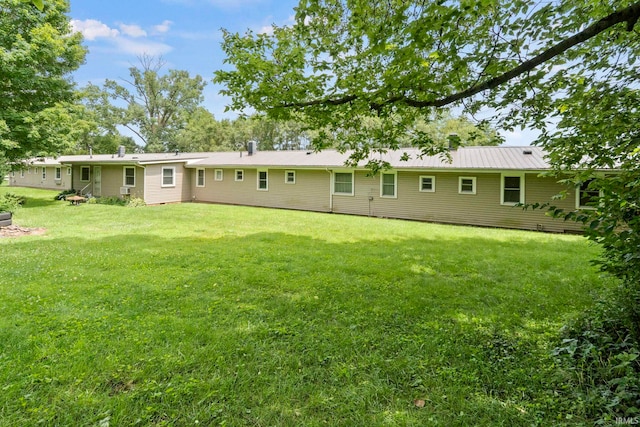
<point>527,152</point>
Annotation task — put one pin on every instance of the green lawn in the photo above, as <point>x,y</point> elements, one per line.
<point>222,315</point>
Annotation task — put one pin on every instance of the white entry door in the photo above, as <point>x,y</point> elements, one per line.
<point>97,181</point>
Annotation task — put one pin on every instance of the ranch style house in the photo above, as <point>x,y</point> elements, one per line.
<point>479,186</point>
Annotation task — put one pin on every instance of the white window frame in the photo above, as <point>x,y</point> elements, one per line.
<point>395,185</point>
<point>433,184</point>
<point>29,171</point>
<point>21,173</point>
<point>69,170</point>
<point>235,175</point>
<point>204,177</point>
<point>286,177</point>
<point>353,183</point>
<point>44,173</point>
<point>36,171</point>
<point>173,176</point>
<point>503,188</point>
<point>579,191</point>
<point>58,175</point>
<point>218,175</point>
<point>124,176</point>
<point>88,169</point>
<point>266,179</point>
<point>473,183</point>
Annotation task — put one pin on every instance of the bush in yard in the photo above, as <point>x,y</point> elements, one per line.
<point>600,357</point>
<point>10,202</point>
<point>113,200</point>
<point>136,202</point>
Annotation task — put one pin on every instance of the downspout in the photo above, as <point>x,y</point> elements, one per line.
<point>330,171</point>
<point>144,182</point>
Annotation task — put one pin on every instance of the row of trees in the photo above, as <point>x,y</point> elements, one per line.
<point>163,110</point>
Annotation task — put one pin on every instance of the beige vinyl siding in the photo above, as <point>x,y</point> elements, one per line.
<point>541,190</point>
<point>35,180</point>
<point>446,205</point>
<point>310,191</point>
<point>157,194</point>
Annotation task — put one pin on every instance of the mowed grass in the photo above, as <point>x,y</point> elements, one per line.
<point>199,314</point>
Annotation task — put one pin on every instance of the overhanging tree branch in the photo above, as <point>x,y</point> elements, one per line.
<point>628,15</point>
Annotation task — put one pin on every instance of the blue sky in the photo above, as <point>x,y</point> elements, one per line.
<point>186,33</point>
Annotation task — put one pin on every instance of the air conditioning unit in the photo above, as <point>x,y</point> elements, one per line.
<point>125,190</point>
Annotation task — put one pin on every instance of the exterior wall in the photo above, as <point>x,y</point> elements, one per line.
<point>446,205</point>
<point>309,192</point>
<point>155,193</point>
<point>113,180</point>
<point>34,179</point>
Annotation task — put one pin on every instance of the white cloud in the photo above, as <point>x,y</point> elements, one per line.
<point>142,47</point>
<point>132,30</point>
<point>267,29</point>
<point>92,29</point>
<point>130,39</point>
<point>162,28</point>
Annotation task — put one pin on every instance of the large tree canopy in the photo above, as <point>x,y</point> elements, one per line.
<point>152,104</point>
<point>346,60</point>
<point>38,52</point>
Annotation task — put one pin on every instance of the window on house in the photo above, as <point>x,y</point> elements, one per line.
<point>239,175</point>
<point>263,180</point>
<point>200,176</point>
<point>290,177</point>
<point>388,184</point>
<point>36,171</point>
<point>58,173</point>
<point>428,184</point>
<point>587,195</point>
<point>69,171</point>
<point>84,173</point>
<point>44,173</point>
<point>512,189</point>
<point>467,185</point>
<point>218,175</point>
<point>129,179</point>
<point>21,173</point>
<point>168,177</point>
<point>343,183</point>
<point>29,171</point>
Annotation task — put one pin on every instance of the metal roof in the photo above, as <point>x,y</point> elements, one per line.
<point>492,158</point>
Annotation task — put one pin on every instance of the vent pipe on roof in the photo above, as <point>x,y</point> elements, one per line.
<point>90,152</point>
<point>252,148</point>
<point>454,141</point>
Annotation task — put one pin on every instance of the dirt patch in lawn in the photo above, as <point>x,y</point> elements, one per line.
<point>16,231</point>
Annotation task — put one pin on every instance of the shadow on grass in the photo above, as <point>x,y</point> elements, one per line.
<point>273,328</point>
